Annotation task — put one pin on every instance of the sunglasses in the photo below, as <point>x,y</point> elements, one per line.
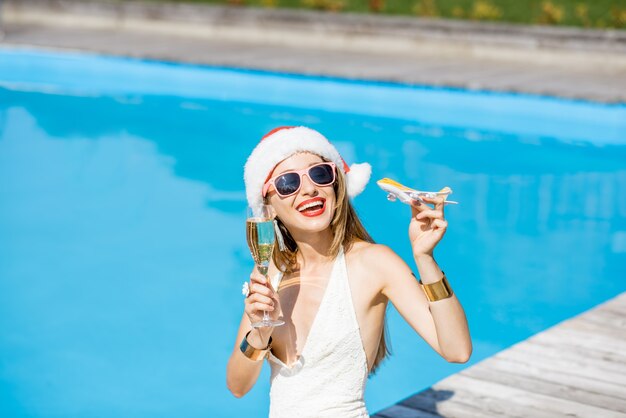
<point>286,184</point>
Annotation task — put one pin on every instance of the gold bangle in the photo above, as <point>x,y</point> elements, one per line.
<point>438,290</point>
<point>254,354</point>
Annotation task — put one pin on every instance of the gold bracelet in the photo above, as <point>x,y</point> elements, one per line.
<point>254,354</point>
<point>438,290</point>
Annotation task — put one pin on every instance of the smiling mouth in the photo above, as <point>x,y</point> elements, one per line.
<point>312,208</point>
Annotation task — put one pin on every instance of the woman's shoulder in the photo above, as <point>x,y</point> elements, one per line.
<point>378,265</point>
<point>373,264</point>
<point>371,255</point>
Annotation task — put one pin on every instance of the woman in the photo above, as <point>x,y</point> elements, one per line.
<point>331,284</point>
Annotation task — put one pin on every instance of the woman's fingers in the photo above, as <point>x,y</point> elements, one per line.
<point>439,224</point>
<point>257,277</point>
<point>257,297</point>
<point>253,307</point>
<point>437,201</point>
<point>261,297</point>
<point>418,207</point>
<point>430,213</point>
<point>256,304</point>
<point>256,309</point>
<point>262,289</point>
<point>263,281</point>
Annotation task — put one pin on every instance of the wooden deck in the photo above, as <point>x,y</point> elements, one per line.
<point>576,368</point>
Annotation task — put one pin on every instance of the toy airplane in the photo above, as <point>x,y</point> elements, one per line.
<point>406,195</point>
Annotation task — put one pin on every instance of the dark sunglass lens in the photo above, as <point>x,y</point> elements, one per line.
<point>287,183</point>
<point>321,174</point>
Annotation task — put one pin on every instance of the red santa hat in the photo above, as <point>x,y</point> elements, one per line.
<point>283,142</point>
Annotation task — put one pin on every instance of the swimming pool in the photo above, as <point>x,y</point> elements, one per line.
<point>122,216</point>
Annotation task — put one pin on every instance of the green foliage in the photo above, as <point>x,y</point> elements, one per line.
<point>426,8</point>
<point>551,14</point>
<point>582,13</point>
<point>618,17</point>
<point>377,5</point>
<point>329,5</point>
<point>485,10</point>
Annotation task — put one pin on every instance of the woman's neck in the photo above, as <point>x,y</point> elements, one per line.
<point>314,249</point>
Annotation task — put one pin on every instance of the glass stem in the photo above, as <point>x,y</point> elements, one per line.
<point>266,315</point>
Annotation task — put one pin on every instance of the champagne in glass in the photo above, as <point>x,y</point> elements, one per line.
<point>261,239</point>
<point>260,235</point>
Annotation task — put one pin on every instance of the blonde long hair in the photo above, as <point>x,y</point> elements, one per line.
<point>346,229</point>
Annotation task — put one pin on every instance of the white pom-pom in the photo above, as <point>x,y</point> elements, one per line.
<point>358,177</point>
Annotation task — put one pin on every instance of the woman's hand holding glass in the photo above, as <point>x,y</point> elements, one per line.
<point>260,234</point>
<point>262,298</point>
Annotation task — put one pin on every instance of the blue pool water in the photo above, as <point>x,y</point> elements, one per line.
<point>122,247</point>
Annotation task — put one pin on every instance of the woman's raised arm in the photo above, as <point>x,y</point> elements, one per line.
<point>442,323</point>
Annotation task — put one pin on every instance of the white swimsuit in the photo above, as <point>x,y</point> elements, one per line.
<point>329,378</point>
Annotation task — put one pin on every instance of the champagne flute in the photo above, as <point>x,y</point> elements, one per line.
<point>261,239</point>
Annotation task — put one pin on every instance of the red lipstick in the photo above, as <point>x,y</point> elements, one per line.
<point>312,207</point>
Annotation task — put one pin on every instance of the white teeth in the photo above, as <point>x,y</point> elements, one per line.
<point>310,205</point>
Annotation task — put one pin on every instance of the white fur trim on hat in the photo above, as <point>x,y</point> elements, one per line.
<point>358,176</point>
<point>287,141</point>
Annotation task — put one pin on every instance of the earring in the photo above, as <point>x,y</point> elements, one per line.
<point>279,236</point>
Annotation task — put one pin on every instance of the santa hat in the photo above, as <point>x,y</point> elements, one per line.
<point>283,142</point>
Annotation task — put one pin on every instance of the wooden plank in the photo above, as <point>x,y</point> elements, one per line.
<point>455,408</point>
<point>442,402</point>
<point>568,368</point>
<point>604,319</point>
<point>612,307</point>
<point>587,352</point>
<point>555,376</point>
<point>519,402</point>
<point>567,336</point>
<point>599,326</point>
<point>559,357</point>
<point>569,391</point>
<point>618,303</point>
<point>617,307</point>
<point>401,411</point>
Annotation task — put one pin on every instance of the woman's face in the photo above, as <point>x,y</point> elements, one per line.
<point>311,208</point>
